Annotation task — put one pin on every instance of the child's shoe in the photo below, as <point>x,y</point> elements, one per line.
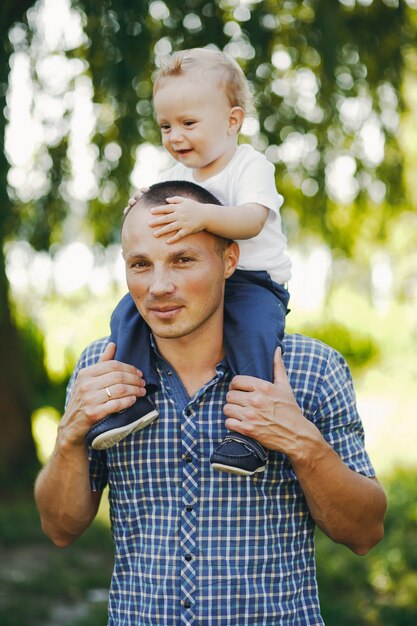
<point>117,426</point>
<point>238,454</point>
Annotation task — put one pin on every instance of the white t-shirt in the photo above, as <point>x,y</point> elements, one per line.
<point>249,177</point>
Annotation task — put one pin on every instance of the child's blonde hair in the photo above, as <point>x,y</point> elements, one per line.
<point>217,65</point>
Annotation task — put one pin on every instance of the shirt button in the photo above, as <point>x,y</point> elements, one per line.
<point>186,604</point>
<point>169,373</point>
<point>189,508</point>
<point>188,458</point>
<point>188,557</point>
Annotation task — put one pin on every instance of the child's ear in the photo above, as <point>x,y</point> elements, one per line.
<point>236,117</point>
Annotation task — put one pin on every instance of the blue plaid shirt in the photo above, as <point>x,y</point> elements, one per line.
<point>197,546</point>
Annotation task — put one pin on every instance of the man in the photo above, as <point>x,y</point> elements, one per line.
<point>194,545</point>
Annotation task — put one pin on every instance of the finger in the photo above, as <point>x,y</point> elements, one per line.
<point>169,228</point>
<point>164,209</point>
<point>238,398</point>
<point>116,392</point>
<point>175,199</point>
<point>112,397</point>
<point>113,371</point>
<point>233,411</point>
<point>168,218</point>
<point>180,234</point>
<point>244,427</point>
<point>244,383</point>
<point>233,424</point>
<point>120,374</point>
<point>108,353</point>
<point>111,406</point>
<point>280,372</point>
<point>132,201</point>
<point>144,190</point>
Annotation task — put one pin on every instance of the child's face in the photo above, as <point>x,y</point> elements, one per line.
<point>199,128</point>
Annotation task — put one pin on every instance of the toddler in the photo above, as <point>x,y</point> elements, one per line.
<point>200,99</point>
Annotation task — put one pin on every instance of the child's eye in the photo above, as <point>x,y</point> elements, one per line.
<point>189,123</point>
<point>165,128</point>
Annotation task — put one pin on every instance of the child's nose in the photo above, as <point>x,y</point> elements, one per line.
<point>175,135</point>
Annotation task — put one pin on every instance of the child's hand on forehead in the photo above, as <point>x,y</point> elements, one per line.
<point>181,216</point>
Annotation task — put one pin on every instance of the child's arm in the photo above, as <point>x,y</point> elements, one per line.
<point>183,216</point>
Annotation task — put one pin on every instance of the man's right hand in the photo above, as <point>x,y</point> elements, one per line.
<point>107,387</point>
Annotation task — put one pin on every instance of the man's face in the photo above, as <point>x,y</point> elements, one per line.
<point>196,123</point>
<point>177,288</point>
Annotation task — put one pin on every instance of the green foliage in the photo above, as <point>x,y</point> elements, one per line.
<point>37,578</point>
<point>381,588</point>
<point>359,349</point>
<point>19,523</point>
<point>47,392</point>
<point>97,616</point>
<point>334,54</point>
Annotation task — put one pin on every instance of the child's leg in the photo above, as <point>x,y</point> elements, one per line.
<point>255,310</point>
<point>131,335</point>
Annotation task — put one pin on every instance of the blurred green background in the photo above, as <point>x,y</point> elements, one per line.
<point>335,86</point>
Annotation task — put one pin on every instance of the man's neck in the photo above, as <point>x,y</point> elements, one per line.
<point>194,361</point>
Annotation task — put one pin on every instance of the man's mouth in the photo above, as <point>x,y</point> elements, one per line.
<point>166,311</point>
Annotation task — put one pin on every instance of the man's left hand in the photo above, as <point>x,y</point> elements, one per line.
<point>267,412</point>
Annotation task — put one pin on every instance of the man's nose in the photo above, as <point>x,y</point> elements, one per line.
<point>161,283</point>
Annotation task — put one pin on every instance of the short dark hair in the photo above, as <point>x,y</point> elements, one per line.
<point>157,194</point>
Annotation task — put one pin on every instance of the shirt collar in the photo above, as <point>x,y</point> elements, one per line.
<point>220,368</point>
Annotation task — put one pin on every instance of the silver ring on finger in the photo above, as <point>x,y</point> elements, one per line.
<point>110,397</point>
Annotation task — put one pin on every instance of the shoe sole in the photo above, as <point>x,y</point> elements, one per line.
<point>111,437</point>
<point>236,470</point>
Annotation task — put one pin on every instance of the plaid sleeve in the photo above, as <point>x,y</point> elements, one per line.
<point>322,384</point>
<point>96,458</point>
<point>337,416</point>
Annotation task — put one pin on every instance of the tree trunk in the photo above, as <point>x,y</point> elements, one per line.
<point>18,459</point>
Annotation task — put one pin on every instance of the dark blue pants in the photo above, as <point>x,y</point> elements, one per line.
<point>255,309</point>
<point>254,321</point>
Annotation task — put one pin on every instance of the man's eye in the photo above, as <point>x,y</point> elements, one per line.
<point>139,265</point>
<point>185,259</point>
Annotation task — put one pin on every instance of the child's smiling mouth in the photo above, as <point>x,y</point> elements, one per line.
<point>184,151</point>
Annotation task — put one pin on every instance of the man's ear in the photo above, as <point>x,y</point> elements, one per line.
<point>231,258</point>
<point>236,117</point>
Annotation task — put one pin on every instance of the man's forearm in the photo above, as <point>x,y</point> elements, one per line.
<point>63,495</point>
<point>347,506</point>
<point>66,504</point>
